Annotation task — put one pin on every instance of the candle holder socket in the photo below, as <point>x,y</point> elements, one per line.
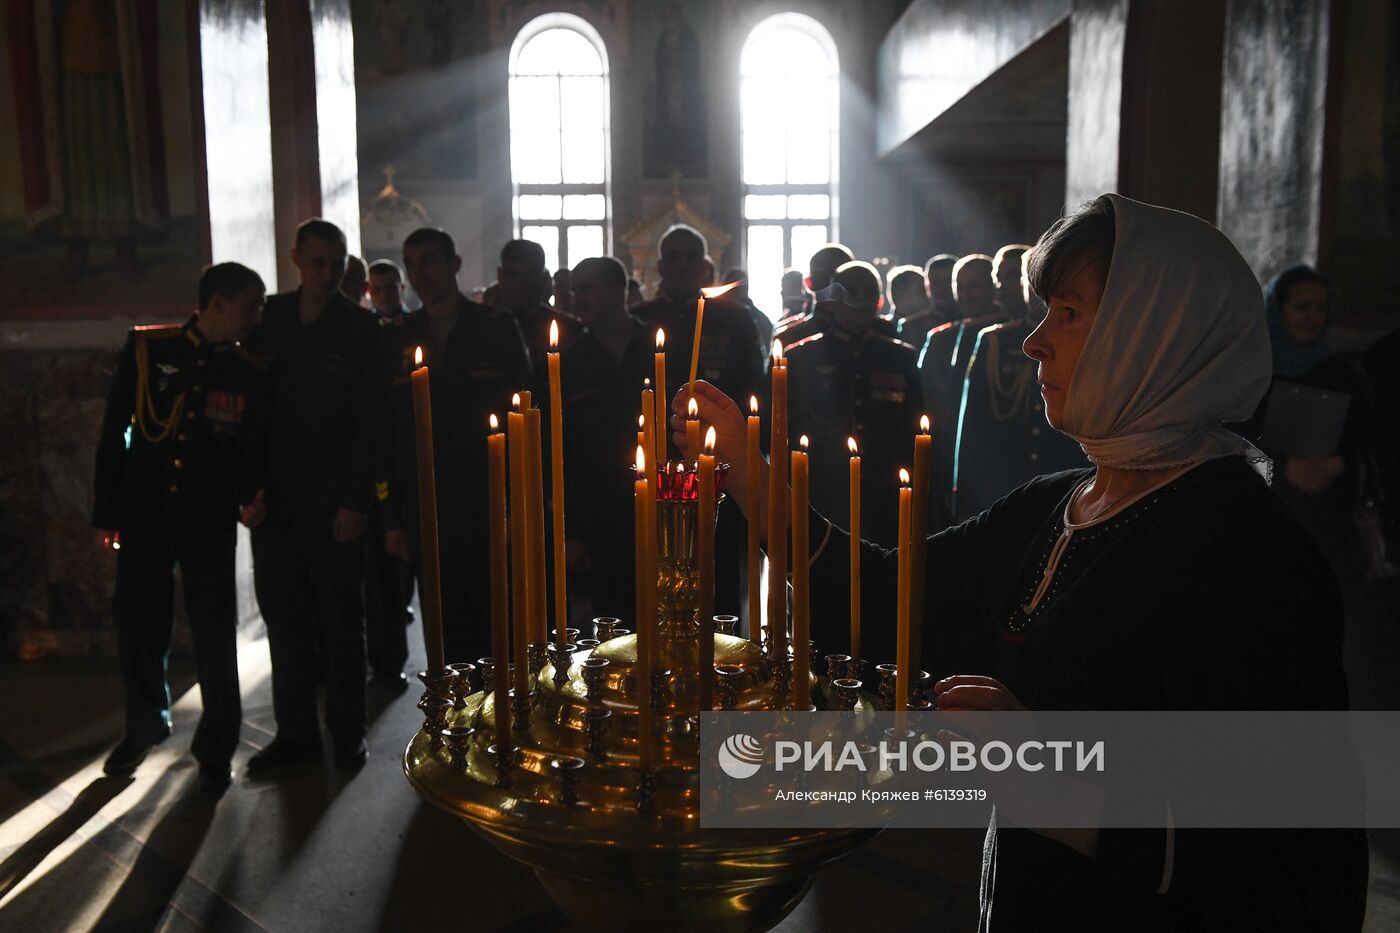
<point>889,674</point>
<point>597,720</point>
<point>462,684</point>
<point>520,712</point>
<point>561,657</point>
<point>586,644</point>
<point>726,624</point>
<point>458,740</point>
<point>728,685</point>
<point>595,671</point>
<point>435,717</point>
<point>567,768</point>
<point>847,690</point>
<point>504,758</point>
<point>605,628</point>
<point>535,653</point>
<point>436,685</point>
<point>837,665</point>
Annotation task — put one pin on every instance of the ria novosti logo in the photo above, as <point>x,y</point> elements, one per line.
<point>740,756</point>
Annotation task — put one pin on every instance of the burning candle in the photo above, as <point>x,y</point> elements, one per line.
<point>918,533</point>
<point>534,515</point>
<point>644,630</point>
<point>519,550</point>
<point>901,690</point>
<point>705,555</point>
<point>777,508</point>
<point>713,291</point>
<point>642,430</point>
<point>556,442</point>
<point>427,516</point>
<point>500,595</point>
<point>692,429</point>
<point>855,547</point>
<point>751,460</point>
<point>801,604</point>
<point>658,413</point>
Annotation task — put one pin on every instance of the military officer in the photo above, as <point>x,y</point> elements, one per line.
<point>821,269</point>
<point>179,454</point>
<point>476,360</point>
<point>309,556</point>
<point>523,286</point>
<point>851,380</point>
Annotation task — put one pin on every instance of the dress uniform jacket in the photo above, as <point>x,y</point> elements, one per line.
<point>482,363</point>
<point>1003,439</point>
<point>180,450</point>
<point>861,385</point>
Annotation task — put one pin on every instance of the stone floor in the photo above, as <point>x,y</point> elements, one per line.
<point>320,851</point>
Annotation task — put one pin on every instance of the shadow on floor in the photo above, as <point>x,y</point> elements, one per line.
<point>84,807</point>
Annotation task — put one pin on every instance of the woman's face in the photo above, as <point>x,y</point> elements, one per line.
<point>1059,339</point>
<point>1305,312</point>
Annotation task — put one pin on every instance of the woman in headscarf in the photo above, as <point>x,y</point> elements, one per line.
<point>1167,577</point>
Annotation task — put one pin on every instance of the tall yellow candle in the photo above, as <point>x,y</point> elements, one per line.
<point>705,555</point>
<point>431,597</point>
<point>777,507</point>
<point>918,533</point>
<point>901,689</point>
<point>556,443</point>
<point>801,567</point>
<point>692,429</point>
<point>500,586</point>
<point>855,547</point>
<point>650,426</point>
<point>658,413</point>
<point>534,515</point>
<point>695,346</point>
<point>751,465</point>
<point>645,632</point>
<point>519,545</point>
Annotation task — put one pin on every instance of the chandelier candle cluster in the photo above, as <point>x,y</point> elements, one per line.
<point>579,756</point>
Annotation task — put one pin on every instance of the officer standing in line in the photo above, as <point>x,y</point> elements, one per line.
<point>729,359</point>
<point>388,572</point>
<point>821,269</point>
<point>852,380</point>
<point>476,360</point>
<point>179,454</point>
<point>602,374</point>
<point>523,287</point>
<point>309,556</point>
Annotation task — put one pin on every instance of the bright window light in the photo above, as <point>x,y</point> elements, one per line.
<point>789,93</point>
<point>559,128</point>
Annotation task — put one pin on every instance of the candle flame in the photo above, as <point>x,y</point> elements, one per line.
<point>494,422</point>
<point>851,446</point>
<point>923,424</point>
<point>714,291</point>
<point>417,356</point>
<point>692,408</point>
<point>680,467</point>
<point>753,404</point>
<point>661,338</point>
<point>554,334</point>
<point>515,401</point>
<point>803,442</point>
<point>641,458</point>
<point>903,477</point>
<point>646,383</point>
<point>641,421</point>
<point>710,440</point>
<point>777,349</point>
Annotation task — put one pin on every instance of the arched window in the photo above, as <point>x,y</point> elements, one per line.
<point>789,79</point>
<point>559,138</point>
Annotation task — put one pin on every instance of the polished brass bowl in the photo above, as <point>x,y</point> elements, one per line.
<point>608,864</point>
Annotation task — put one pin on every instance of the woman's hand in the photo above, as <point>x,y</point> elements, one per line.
<point>718,410</point>
<point>975,692</point>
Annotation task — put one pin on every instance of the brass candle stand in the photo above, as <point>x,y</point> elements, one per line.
<point>619,847</point>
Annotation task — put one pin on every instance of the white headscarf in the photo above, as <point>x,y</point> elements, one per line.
<point>1179,347</point>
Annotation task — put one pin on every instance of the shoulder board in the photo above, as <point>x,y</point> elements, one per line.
<point>892,341</point>
<point>250,358</point>
<point>147,331</point>
<point>805,342</point>
<point>944,327</point>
